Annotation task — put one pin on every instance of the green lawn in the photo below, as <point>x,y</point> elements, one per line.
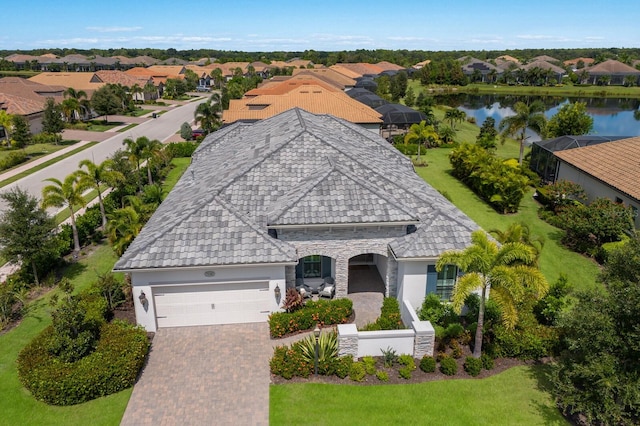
<point>102,126</point>
<point>567,90</point>
<point>45,164</point>
<point>40,149</point>
<point>518,396</point>
<point>179,166</point>
<point>16,405</point>
<point>139,112</point>
<point>129,127</point>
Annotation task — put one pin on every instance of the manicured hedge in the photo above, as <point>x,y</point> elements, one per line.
<point>389,319</point>
<point>181,149</point>
<point>321,312</point>
<point>500,183</point>
<point>112,367</point>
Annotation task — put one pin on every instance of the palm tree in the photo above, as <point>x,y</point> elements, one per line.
<point>216,74</point>
<point>123,226</point>
<point>76,99</point>
<point>520,233</point>
<point>526,117</point>
<point>98,175</point>
<point>66,194</point>
<point>153,194</point>
<point>70,109</point>
<point>6,123</point>
<point>135,149</point>
<point>208,113</point>
<point>505,269</point>
<point>151,152</point>
<point>421,133</point>
<point>453,116</point>
<point>135,90</point>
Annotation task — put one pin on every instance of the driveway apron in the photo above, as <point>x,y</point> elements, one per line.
<point>207,375</point>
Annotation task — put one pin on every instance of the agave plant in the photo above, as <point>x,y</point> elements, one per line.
<point>327,347</point>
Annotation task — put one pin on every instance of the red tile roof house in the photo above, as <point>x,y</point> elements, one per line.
<point>610,169</point>
<point>288,200</point>
<point>27,98</point>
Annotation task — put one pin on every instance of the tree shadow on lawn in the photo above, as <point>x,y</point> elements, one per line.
<point>73,270</point>
<point>542,373</point>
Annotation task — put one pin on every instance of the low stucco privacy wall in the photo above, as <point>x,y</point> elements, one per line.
<point>418,340</point>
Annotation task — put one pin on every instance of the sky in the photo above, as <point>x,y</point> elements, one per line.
<point>327,25</point>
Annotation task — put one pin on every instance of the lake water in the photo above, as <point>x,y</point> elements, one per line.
<point>611,116</point>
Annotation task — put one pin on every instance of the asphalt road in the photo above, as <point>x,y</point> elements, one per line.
<point>160,128</point>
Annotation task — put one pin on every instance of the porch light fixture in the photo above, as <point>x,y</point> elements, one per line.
<point>276,292</point>
<point>316,334</point>
<point>143,298</point>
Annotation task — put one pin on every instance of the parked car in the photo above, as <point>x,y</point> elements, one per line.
<point>197,132</point>
<point>203,88</point>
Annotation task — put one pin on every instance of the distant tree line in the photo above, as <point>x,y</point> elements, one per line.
<point>402,57</point>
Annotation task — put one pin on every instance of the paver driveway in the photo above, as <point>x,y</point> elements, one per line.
<point>208,375</point>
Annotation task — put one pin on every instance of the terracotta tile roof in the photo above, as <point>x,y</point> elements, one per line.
<point>199,70</point>
<point>422,64</point>
<point>228,68</point>
<point>29,89</point>
<point>165,70</point>
<point>612,67</point>
<point>327,74</point>
<point>615,163</point>
<point>509,59</point>
<point>296,63</point>
<point>282,87</point>
<point>120,77</point>
<point>14,104</point>
<point>314,99</point>
<point>346,71</point>
<point>77,80</point>
<point>586,61</point>
<point>388,66</point>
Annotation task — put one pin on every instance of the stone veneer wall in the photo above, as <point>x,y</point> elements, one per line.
<point>342,244</point>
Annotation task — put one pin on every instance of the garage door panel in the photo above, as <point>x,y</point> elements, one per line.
<point>211,304</point>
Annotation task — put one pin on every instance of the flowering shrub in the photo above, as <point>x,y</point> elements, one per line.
<point>321,312</point>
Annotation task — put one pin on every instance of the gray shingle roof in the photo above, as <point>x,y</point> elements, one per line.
<point>295,168</point>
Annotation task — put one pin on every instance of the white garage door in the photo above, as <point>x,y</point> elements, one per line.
<point>229,303</point>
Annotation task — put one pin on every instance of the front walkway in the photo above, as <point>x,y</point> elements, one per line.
<point>366,291</point>
<point>204,375</point>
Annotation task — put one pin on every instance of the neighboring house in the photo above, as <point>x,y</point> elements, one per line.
<point>27,98</point>
<point>554,71</point>
<point>297,197</point>
<point>422,64</point>
<point>573,63</point>
<point>328,75</point>
<point>85,81</point>
<point>472,67</point>
<point>615,71</point>
<point>608,169</point>
<point>543,159</point>
<point>312,98</point>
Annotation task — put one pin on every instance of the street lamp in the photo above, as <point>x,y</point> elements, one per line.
<point>316,333</point>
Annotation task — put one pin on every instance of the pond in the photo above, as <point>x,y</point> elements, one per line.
<point>611,116</point>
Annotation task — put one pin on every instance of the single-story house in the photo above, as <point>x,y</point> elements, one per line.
<point>610,170</point>
<point>616,71</point>
<point>287,200</point>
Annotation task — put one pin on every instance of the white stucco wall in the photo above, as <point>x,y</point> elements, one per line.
<point>147,280</point>
<point>412,281</point>
<point>594,188</point>
<point>381,263</point>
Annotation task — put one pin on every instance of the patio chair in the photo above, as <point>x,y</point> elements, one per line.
<point>328,288</point>
<point>302,288</point>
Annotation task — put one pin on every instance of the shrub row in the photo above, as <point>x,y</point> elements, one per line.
<point>500,183</point>
<point>321,312</point>
<point>13,159</point>
<point>112,367</point>
<point>181,149</point>
<point>389,319</point>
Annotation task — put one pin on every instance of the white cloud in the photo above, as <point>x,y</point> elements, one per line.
<point>113,29</point>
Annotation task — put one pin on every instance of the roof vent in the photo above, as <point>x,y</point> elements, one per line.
<point>411,229</point>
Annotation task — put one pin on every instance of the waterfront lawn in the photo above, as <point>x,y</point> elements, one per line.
<point>555,258</point>
<point>17,405</point>
<point>518,396</point>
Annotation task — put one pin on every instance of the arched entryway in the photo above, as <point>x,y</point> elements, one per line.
<point>367,273</point>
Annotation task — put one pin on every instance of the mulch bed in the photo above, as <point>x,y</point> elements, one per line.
<point>418,376</point>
